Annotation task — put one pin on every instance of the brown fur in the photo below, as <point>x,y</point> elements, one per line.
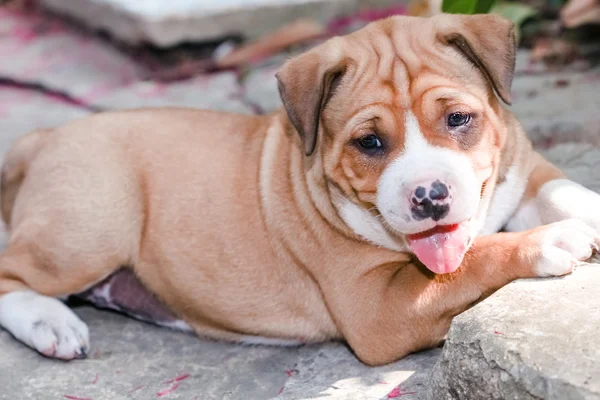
<point>227,220</point>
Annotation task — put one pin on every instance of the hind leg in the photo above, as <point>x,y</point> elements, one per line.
<point>29,309</point>
<point>75,220</point>
<point>41,322</point>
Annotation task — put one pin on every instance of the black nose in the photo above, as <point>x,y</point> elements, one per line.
<point>439,191</point>
<point>433,203</point>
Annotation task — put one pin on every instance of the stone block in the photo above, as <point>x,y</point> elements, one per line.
<point>168,23</point>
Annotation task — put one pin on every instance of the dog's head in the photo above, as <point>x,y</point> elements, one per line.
<point>404,118</point>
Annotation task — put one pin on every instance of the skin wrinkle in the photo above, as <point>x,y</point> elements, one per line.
<point>416,82</point>
<point>365,109</point>
<point>359,190</point>
<point>379,57</point>
<point>386,64</point>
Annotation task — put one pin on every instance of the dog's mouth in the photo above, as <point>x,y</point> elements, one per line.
<point>442,248</point>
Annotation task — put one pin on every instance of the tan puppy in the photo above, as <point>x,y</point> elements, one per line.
<point>367,212</point>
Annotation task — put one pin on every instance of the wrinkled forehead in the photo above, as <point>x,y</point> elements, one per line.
<point>398,61</point>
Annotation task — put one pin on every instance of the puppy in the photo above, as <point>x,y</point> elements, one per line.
<point>367,210</point>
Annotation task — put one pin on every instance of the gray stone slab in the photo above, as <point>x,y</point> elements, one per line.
<point>34,48</point>
<point>168,23</point>
<point>332,372</point>
<point>133,360</point>
<point>531,340</point>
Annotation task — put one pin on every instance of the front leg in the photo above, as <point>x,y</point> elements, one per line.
<point>394,310</point>
<point>551,197</point>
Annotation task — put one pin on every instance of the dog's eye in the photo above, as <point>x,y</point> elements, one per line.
<point>370,144</point>
<point>458,119</point>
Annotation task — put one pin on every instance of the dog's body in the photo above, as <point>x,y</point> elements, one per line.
<point>300,229</point>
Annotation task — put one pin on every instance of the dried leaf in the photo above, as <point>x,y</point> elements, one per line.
<point>296,32</point>
<point>580,12</point>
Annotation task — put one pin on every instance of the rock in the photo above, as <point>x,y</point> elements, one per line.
<point>168,23</point>
<point>533,339</point>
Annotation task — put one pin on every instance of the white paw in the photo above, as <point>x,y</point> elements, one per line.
<point>563,245</point>
<point>45,324</point>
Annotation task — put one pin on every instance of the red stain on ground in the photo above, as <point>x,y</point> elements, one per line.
<point>76,398</point>
<point>168,390</point>
<point>397,392</point>
<point>178,378</point>
<point>498,333</point>
<point>135,389</point>
<point>291,372</point>
<point>96,379</point>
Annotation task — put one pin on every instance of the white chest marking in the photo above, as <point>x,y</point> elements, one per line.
<point>505,201</point>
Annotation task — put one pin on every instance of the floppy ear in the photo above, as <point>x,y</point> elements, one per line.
<point>489,42</point>
<point>305,85</point>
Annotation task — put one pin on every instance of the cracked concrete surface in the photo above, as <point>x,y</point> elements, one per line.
<point>134,360</point>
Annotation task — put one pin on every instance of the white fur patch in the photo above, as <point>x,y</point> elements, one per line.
<point>526,217</point>
<point>44,324</point>
<point>562,198</point>
<point>423,163</point>
<point>366,225</point>
<point>557,200</point>
<point>178,325</point>
<point>504,203</point>
<point>264,341</point>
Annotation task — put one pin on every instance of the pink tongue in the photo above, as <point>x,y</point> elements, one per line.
<point>442,249</point>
